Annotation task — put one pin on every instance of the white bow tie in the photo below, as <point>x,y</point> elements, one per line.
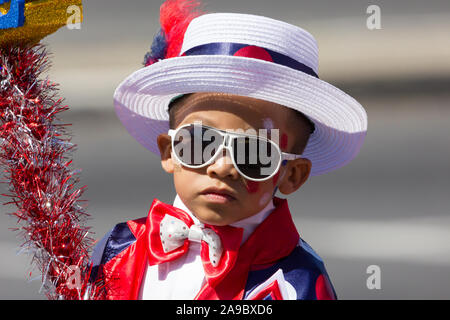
<point>174,232</point>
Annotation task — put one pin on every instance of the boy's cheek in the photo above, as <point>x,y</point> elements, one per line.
<point>265,198</point>
<point>284,141</point>
<point>255,202</point>
<point>252,186</point>
<point>260,193</point>
<point>275,179</point>
<point>176,167</point>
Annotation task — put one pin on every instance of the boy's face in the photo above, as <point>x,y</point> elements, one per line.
<point>234,198</point>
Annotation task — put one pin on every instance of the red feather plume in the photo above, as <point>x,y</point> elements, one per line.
<point>175,16</point>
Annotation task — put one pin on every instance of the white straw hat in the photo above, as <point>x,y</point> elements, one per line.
<point>250,56</point>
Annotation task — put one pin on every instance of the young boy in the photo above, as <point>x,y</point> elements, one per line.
<point>233,105</point>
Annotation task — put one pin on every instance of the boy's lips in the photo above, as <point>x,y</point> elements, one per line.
<point>218,194</point>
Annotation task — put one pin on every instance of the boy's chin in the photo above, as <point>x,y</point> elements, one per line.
<point>214,218</point>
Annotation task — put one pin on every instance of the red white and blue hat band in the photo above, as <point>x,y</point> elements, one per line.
<point>249,51</point>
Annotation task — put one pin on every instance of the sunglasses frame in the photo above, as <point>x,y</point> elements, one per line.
<point>227,144</point>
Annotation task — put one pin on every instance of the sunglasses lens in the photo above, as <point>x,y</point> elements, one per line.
<point>256,158</point>
<point>195,145</point>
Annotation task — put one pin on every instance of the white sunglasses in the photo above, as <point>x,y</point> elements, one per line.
<point>256,158</point>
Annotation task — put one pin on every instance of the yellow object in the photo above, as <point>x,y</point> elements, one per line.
<point>42,17</point>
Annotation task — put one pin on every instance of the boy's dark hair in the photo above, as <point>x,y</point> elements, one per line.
<point>299,120</point>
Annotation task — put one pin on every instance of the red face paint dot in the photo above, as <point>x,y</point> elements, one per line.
<point>252,186</point>
<point>284,141</point>
<point>275,178</point>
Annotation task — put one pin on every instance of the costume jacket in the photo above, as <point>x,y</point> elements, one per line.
<point>273,263</point>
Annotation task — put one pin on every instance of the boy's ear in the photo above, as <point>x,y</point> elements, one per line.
<point>165,149</point>
<point>296,174</point>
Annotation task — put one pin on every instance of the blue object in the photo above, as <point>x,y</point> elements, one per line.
<point>16,15</point>
<point>230,49</point>
<point>301,268</point>
<point>158,49</point>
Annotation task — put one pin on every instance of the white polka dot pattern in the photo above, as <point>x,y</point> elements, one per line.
<point>174,232</point>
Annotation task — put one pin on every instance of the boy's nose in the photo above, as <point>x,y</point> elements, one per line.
<point>223,167</point>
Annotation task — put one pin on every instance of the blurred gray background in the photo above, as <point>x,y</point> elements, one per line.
<point>390,207</point>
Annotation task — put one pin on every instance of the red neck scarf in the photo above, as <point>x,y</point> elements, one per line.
<point>272,240</point>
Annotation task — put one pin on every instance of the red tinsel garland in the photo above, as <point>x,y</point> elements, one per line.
<point>35,154</point>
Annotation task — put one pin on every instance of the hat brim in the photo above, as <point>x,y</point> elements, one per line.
<point>141,101</point>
